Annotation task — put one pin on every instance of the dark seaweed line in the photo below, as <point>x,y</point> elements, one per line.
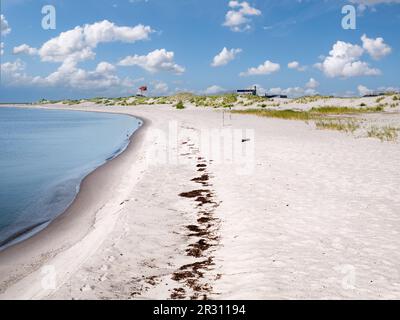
<point>189,276</point>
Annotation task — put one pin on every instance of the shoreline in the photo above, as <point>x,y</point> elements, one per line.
<point>76,213</point>
<point>27,232</point>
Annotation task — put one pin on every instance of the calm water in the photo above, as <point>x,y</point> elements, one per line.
<point>44,156</point>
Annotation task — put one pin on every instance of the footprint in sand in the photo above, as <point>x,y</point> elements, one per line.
<point>104,267</point>
<point>86,288</point>
<point>103,277</point>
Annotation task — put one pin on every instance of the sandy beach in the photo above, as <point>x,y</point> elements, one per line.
<point>208,204</point>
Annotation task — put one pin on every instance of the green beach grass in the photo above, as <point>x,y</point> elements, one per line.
<point>312,114</point>
<point>327,118</point>
<point>386,133</point>
<point>349,126</point>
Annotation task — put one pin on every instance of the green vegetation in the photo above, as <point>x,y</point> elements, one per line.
<point>215,101</point>
<point>387,133</point>
<point>95,100</point>
<point>345,110</point>
<point>313,114</point>
<point>309,99</point>
<point>46,101</point>
<point>180,105</point>
<point>109,103</point>
<point>184,96</point>
<point>72,102</point>
<point>162,101</point>
<point>281,114</point>
<point>43,101</point>
<point>253,99</point>
<point>327,118</point>
<point>229,99</point>
<point>139,101</point>
<point>378,100</point>
<point>390,93</point>
<point>349,126</point>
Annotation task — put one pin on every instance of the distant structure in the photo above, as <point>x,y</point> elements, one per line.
<point>142,90</point>
<point>374,94</point>
<point>254,93</point>
<point>276,96</point>
<point>248,91</point>
<point>381,93</point>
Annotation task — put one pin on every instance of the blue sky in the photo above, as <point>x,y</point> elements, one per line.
<point>177,45</point>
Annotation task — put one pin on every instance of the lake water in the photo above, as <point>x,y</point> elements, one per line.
<point>44,156</point>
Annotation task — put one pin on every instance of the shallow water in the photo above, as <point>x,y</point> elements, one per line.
<point>44,156</point>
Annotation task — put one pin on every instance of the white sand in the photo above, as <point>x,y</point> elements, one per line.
<point>311,214</point>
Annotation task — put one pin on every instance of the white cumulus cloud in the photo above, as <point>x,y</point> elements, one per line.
<point>74,46</point>
<point>102,79</point>
<point>225,56</point>
<point>295,65</point>
<point>25,49</point>
<point>13,73</point>
<point>4,26</point>
<point>344,61</point>
<point>105,67</point>
<point>376,48</point>
<point>237,18</point>
<point>292,91</point>
<point>309,89</point>
<point>266,68</point>
<point>5,29</point>
<point>159,87</point>
<point>10,67</point>
<point>312,84</point>
<point>155,61</point>
<point>363,90</point>
<point>214,90</point>
<point>77,44</point>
